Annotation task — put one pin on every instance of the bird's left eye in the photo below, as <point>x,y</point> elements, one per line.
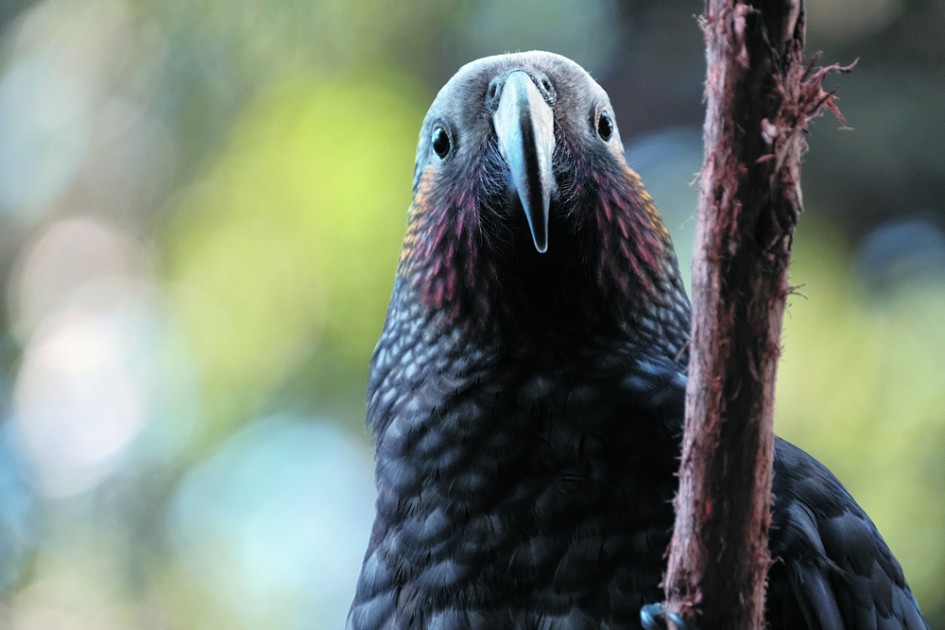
<point>441,142</point>
<point>605,126</point>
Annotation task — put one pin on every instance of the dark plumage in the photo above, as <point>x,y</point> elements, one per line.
<point>527,392</point>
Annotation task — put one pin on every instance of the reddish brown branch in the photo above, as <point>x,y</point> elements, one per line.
<point>760,96</point>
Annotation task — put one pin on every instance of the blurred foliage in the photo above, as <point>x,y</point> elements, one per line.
<point>201,205</point>
<point>306,208</point>
<point>860,387</point>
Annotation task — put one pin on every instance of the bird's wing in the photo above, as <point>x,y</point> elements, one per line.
<point>835,569</point>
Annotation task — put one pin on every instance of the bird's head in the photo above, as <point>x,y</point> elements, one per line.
<point>525,213</point>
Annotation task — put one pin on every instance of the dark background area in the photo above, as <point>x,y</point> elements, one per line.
<point>201,209</point>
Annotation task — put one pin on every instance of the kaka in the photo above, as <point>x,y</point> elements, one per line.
<point>527,393</point>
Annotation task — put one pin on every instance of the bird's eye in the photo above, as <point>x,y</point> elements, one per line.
<point>441,142</point>
<point>605,126</point>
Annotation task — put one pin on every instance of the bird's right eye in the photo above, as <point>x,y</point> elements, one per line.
<point>605,126</point>
<point>441,142</point>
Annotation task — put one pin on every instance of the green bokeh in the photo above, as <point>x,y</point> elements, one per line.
<point>861,387</point>
<point>287,246</point>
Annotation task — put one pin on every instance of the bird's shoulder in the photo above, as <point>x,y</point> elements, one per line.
<point>832,569</point>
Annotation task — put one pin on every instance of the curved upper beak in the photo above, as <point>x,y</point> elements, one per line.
<point>524,125</point>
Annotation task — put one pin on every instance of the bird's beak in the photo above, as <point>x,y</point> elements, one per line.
<point>524,125</point>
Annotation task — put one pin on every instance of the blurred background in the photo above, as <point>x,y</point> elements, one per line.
<point>201,209</point>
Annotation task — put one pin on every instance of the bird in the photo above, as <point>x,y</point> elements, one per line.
<point>526,395</point>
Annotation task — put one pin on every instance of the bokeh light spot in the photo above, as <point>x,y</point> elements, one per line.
<point>279,514</point>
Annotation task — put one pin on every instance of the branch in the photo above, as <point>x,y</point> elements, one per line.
<point>760,97</point>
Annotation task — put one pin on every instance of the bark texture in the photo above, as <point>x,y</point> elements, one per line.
<point>760,95</point>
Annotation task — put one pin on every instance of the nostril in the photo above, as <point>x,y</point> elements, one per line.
<point>492,93</point>
<point>545,86</point>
